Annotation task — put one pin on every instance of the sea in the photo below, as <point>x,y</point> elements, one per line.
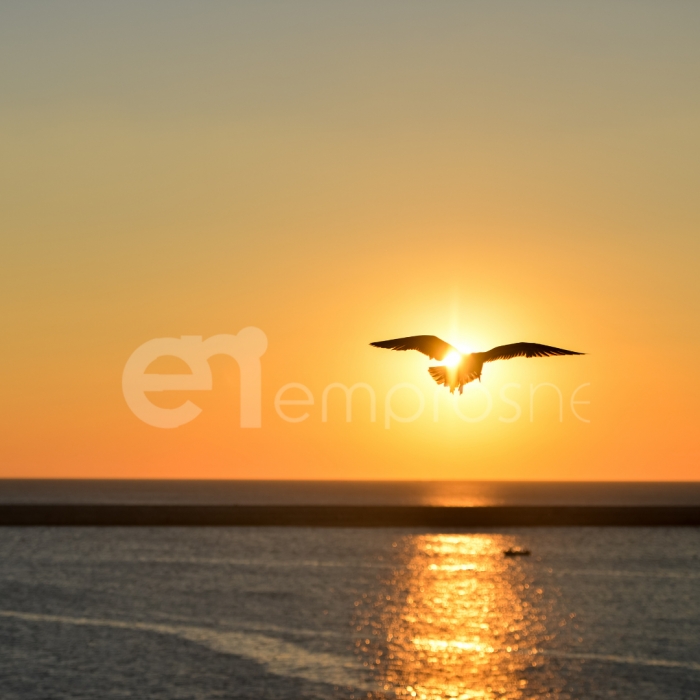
<point>324,613</point>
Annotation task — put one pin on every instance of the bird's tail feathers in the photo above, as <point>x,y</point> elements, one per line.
<point>451,379</point>
<point>439,374</point>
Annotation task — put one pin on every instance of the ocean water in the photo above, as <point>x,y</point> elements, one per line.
<point>397,493</point>
<point>295,613</point>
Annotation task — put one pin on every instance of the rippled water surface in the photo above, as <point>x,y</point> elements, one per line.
<point>322,613</point>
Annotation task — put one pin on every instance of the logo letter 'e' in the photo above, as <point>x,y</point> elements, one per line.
<point>246,348</point>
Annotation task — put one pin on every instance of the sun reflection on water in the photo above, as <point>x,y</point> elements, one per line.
<point>456,619</point>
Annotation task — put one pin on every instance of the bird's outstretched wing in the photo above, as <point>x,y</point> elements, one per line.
<point>429,345</point>
<point>506,352</point>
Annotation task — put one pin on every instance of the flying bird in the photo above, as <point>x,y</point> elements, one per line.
<point>460,369</point>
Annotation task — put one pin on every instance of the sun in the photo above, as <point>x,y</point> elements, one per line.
<point>452,359</point>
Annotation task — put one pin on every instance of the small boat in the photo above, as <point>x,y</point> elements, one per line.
<point>516,552</point>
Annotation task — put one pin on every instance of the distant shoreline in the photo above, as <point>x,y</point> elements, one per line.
<point>87,515</point>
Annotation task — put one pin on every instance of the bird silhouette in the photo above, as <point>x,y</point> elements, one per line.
<point>464,368</point>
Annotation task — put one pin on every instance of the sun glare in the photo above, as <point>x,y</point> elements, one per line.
<point>452,359</point>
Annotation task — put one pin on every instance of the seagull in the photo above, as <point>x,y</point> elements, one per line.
<point>460,369</point>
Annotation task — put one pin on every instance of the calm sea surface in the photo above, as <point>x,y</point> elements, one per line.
<point>331,613</point>
<point>429,493</point>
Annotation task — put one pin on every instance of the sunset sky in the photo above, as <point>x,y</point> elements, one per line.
<point>340,173</point>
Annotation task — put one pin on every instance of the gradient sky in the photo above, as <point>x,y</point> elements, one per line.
<point>339,173</point>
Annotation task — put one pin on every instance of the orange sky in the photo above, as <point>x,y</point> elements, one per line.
<point>335,175</point>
